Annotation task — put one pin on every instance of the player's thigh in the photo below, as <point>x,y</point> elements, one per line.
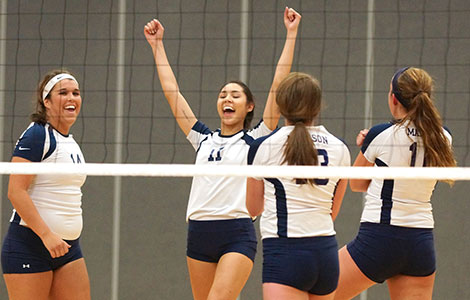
<point>405,287</point>
<point>28,286</point>
<point>201,275</point>
<point>351,279</point>
<point>233,270</point>
<point>276,291</point>
<point>71,282</point>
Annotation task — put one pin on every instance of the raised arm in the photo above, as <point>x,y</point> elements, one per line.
<point>179,106</point>
<point>18,194</point>
<point>271,113</point>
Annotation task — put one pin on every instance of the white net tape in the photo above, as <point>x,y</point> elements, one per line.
<point>190,170</point>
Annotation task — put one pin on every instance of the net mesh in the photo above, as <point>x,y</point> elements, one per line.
<point>101,41</point>
<point>203,42</point>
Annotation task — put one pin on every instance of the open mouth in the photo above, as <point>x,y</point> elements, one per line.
<point>70,108</point>
<point>228,110</point>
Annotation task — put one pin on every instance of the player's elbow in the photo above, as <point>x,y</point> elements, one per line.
<point>254,210</point>
<point>359,185</point>
<point>254,207</point>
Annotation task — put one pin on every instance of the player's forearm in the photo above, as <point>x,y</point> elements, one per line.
<point>24,206</point>
<point>271,113</point>
<point>178,104</point>
<point>165,73</point>
<point>284,64</point>
<point>254,196</point>
<point>338,197</point>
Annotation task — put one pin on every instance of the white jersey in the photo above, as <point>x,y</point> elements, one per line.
<point>58,198</point>
<point>298,210</point>
<point>397,202</point>
<point>215,197</point>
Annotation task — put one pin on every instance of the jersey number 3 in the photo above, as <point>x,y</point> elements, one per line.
<point>324,154</point>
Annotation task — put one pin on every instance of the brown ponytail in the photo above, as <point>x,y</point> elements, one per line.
<point>417,86</point>
<point>299,99</point>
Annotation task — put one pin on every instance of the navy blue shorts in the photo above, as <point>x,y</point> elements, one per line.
<point>210,240</point>
<point>382,251</point>
<point>24,252</point>
<point>308,264</point>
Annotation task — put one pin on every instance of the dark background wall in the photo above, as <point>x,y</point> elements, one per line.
<point>203,41</point>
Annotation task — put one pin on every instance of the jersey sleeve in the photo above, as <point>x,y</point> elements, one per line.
<point>257,152</point>
<point>197,134</point>
<point>346,158</point>
<point>259,130</point>
<point>371,145</point>
<point>448,134</point>
<point>30,145</point>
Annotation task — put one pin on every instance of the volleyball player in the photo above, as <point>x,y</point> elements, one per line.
<point>395,240</point>
<point>221,237</point>
<point>299,245</point>
<point>41,256</point>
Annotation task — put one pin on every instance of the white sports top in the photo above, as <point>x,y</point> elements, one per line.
<point>215,197</point>
<point>298,210</point>
<point>58,198</point>
<point>397,202</point>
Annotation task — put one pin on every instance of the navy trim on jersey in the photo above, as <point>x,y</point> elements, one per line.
<point>52,143</point>
<point>257,125</point>
<point>334,191</point>
<point>386,196</point>
<point>201,128</point>
<point>200,144</point>
<point>373,132</point>
<point>247,138</point>
<point>30,145</point>
<point>281,206</point>
<point>16,218</point>
<point>447,129</point>
<point>255,145</point>
<point>227,135</point>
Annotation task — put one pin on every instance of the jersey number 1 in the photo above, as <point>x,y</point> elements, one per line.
<point>413,154</point>
<point>414,149</point>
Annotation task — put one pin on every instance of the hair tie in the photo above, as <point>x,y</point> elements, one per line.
<point>396,91</point>
<point>419,93</point>
<point>53,81</point>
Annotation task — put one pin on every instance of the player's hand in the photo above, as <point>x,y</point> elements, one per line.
<point>56,246</point>
<point>153,32</point>
<point>361,136</point>
<point>291,19</point>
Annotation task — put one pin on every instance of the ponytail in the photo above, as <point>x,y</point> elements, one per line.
<point>300,150</point>
<point>299,99</point>
<point>417,86</point>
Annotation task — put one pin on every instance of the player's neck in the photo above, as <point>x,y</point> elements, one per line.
<point>230,129</point>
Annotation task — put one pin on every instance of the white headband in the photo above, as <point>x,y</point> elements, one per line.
<point>51,83</point>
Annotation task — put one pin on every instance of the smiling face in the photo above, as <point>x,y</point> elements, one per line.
<point>63,105</point>
<point>232,107</point>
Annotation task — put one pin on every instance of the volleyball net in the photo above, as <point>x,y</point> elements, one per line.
<point>352,47</point>
<point>190,170</point>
